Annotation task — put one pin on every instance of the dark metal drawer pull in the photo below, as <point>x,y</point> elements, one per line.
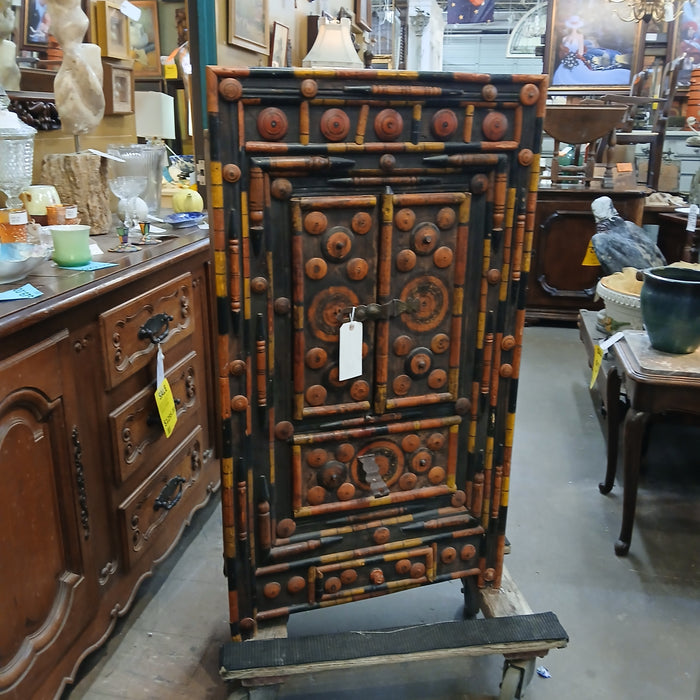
<point>156,329</point>
<point>171,494</point>
<point>373,312</point>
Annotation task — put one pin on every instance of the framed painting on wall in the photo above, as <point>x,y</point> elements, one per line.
<point>363,14</point>
<point>280,38</point>
<point>590,48</point>
<point>36,23</point>
<point>145,41</point>
<point>686,41</point>
<point>112,29</point>
<point>248,26</point>
<point>118,88</point>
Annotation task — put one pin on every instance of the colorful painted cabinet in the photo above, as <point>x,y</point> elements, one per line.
<point>401,205</point>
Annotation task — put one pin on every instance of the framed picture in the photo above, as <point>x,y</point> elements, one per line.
<point>112,29</point>
<point>36,25</point>
<point>145,41</point>
<point>118,88</point>
<point>363,14</point>
<point>280,37</point>
<point>685,40</point>
<point>590,48</point>
<point>248,26</point>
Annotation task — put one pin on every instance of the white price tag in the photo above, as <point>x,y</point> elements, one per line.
<point>131,11</point>
<point>350,359</point>
<point>692,217</point>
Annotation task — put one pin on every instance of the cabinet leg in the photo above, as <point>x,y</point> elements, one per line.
<point>472,598</point>
<point>612,400</point>
<point>635,425</point>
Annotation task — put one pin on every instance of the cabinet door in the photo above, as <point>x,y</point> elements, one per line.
<point>42,528</point>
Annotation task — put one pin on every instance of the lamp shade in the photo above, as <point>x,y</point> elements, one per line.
<point>333,47</point>
<point>155,115</point>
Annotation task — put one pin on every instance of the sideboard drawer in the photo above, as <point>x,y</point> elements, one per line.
<point>175,486</point>
<point>126,350</point>
<point>136,429</point>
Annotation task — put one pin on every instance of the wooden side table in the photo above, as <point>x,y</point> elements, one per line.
<point>655,383</point>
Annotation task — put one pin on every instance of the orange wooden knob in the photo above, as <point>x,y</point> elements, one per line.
<point>272,589</point>
<point>345,491</point>
<point>489,92</point>
<point>281,188</point>
<point>345,452</point>
<point>506,370</point>
<point>508,342</point>
<point>296,584</point>
<point>494,126</point>
<point>284,430</point>
<point>468,552</point>
<point>316,495</point>
<point>436,475</point>
<point>361,223</point>
<point>332,585</point>
<point>407,481</point>
<point>410,443</point>
<point>230,89</point>
<point>309,88</point>
<point>388,125</point>
<point>231,172</point>
<point>376,576</point>
<point>405,219</point>
<point>316,395</point>
<point>402,566</point>
<point>317,458</point>
<point>335,124</point>
<point>316,358</point>
<point>448,555</point>
<point>286,527</point>
<point>348,576</point>
<point>459,498</point>
<point>417,570</point>
<point>529,94</point>
<point>381,535</point>
<point>435,441</point>
<point>272,124</point>
<point>315,222</point>
<point>239,403</point>
<point>237,368</point>
<point>444,124</point>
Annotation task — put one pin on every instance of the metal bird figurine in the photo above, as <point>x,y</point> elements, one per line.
<point>619,243</point>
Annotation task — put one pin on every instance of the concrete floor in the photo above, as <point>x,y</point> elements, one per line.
<point>632,622</point>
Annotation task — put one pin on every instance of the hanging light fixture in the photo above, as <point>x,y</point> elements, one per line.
<point>646,10</point>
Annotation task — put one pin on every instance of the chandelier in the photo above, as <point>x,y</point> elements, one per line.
<point>645,10</point>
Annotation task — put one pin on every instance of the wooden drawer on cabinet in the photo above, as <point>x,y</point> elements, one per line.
<point>127,348</point>
<point>173,489</point>
<point>136,429</point>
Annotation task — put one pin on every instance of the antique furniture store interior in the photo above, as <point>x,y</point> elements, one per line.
<point>349,350</point>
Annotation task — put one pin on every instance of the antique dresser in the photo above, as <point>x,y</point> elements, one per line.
<point>399,207</point>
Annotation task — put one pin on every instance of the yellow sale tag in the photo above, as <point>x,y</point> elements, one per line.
<point>170,71</point>
<point>166,407</point>
<point>590,258</point>
<point>598,353</point>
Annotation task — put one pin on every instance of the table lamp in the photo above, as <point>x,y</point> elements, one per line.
<point>155,121</point>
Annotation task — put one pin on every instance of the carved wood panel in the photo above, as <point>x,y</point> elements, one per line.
<point>406,203</point>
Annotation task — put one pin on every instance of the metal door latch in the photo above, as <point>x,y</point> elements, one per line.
<point>372,476</point>
<point>373,312</point>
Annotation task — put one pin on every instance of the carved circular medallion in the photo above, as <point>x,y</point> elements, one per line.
<point>357,269</point>
<point>444,124</point>
<point>335,124</point>
<point>435,441</point>
<point>401,384</point>
<point>403,345</point>
<point>494,126</point>
<point>308,88</point>
<point>286,527</point>
<point>410,443</point>
<point>405,260</point>
<point>316,268</point>
<point>337,244</point>
<point>389,459</point>
<point>529,94</point>
<point>445,218</point>
<point>443,257</point>
<point>230,89</point>
<point>419,362</point>
<point>345,452</point>
<point>316,495</point>
<point>405,219</point>
<point>317,458</point>
<point>316,395</point>
<point>361,223</point>
<point>231,172</point>
<point>272,124</point>
<point>408,481</point>
<point>388,125</point>
<point>489,92</point>
<point>281,188</point>
<point>332,475</point>
<point>437,379</point>
<point>440,343</point>
<point>359,390</point>
<point>425,238</point>
<point>296,584</point>
<point>345,492</point>
<point>316,358</point>
<point>324,309</point>
<point>436,476</point>
<point>421,461</point>
<point>315,222</point>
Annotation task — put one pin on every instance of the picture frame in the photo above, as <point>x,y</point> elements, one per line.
<point>278,51</point>
<point>363,14</point>
<point>118,88</point>
<point>684,38</point>
<point>35,26</point>
<point>112,29</point>
<point>590,48</point>
<point>144,41</point>
<point>248,27</point>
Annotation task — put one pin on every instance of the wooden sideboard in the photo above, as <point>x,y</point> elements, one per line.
<point>559,285</point>
<point>94,494</point>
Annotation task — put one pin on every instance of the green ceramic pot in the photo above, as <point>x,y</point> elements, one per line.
<point>670,303</point>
